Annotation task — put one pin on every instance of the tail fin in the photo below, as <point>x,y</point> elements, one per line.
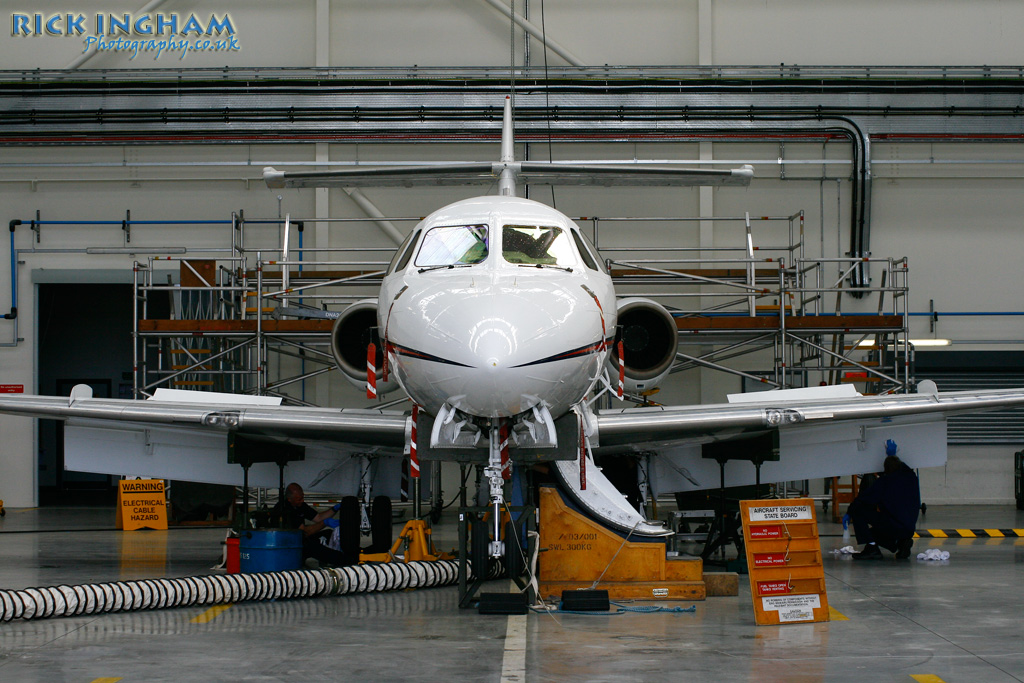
<point>507,179</point>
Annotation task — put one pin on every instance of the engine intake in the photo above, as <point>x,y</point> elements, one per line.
<point>649,338</point>
<point>351,335</point>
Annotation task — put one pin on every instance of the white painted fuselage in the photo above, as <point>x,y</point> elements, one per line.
<point>505,332</point>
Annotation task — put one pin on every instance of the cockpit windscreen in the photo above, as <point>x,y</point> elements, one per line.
<point>536,245</point>
<point>453,245</point>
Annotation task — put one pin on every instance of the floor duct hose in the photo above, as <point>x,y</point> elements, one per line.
<point>214,589</point>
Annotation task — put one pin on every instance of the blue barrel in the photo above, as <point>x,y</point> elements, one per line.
<point>270,551</point>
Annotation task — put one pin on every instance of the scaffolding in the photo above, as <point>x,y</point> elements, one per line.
<point>259,320</point>
<point>742,300</point>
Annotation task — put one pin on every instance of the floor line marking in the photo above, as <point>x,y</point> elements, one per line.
<point>513,662</point>
<point>106,680</point>
<point>836,615</point>
<point>926,678</point>
<point>209,615</point>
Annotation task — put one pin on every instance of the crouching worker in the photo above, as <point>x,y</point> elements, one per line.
<point>885,513</point>
<point>297,514</point>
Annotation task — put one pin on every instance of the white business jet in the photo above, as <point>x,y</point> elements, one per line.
<point>498,318</point>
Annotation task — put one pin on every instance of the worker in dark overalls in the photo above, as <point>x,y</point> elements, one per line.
<point>885,513</point>
<point>297,514</point>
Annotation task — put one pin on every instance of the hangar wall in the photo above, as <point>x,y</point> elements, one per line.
<point>959,223</point>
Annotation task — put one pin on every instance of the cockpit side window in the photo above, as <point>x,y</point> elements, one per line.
<point>593,252</point>
<point>453,245</point>
<point>585,254</point>
<point>404,252</point>
<point>533,245</point>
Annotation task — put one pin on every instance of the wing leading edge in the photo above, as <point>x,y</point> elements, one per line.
<point>680,423</point>
<point>349,426</point>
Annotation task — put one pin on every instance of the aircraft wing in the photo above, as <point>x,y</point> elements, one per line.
<point>531,172</point>
<point>190,440</point>
<point>668,423</point>
<point>797,438</point>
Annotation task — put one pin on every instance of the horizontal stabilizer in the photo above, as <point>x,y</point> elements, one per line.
<point>529,172</point>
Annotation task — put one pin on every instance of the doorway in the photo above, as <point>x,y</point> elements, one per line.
<point>84,337</point>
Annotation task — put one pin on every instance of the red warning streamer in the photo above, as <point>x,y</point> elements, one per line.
<point>414,459</point>
<point>371,371</point>
<point>506,463</point>
<point>622,369</point>
<point>583,458</point>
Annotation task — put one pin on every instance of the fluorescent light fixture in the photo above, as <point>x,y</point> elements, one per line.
<point>913,342</point>
<point>136,250</point>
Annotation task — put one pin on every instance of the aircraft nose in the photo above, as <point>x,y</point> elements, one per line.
<point>493,341</point>
<point>501,349</point>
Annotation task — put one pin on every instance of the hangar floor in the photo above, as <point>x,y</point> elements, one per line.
<point>897,621</point>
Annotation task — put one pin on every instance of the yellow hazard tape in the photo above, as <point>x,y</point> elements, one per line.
<point>926,678</point>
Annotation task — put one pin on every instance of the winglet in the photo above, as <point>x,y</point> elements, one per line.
<point>79,391</point>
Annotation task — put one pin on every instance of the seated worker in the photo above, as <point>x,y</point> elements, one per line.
<point>885,513</point>
<point>295,515</point>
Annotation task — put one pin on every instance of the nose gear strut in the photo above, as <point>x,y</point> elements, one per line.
<point>497,471</point>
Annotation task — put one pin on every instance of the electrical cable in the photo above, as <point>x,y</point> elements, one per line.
<point>213,589</point>
<point>651,609</point>
<point>465,478</point>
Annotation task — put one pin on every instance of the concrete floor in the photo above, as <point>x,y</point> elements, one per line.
<point>957,621</point>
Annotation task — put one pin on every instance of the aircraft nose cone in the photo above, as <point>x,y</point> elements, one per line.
<point>494,341</point>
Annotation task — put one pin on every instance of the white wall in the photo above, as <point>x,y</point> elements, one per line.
<point>960,225</point>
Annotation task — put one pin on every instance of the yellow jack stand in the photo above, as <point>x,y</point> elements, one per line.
<point>577,551</point>
<point>415,536</point>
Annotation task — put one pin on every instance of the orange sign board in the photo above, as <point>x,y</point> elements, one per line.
<point>141,504</point>
<point>787,580</point>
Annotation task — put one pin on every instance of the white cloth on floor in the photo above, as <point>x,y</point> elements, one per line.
<point>933,554</point>
<point>845,550</point>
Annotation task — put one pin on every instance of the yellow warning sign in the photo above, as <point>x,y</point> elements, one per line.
<point>787,579</point>
<point>141,504</point>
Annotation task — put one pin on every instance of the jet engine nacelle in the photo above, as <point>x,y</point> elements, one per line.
<point>649,338</point>
<point>351,335</point>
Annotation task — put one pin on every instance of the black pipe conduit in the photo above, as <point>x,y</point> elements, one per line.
<point>215,589</point>
<point>14,275</point>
